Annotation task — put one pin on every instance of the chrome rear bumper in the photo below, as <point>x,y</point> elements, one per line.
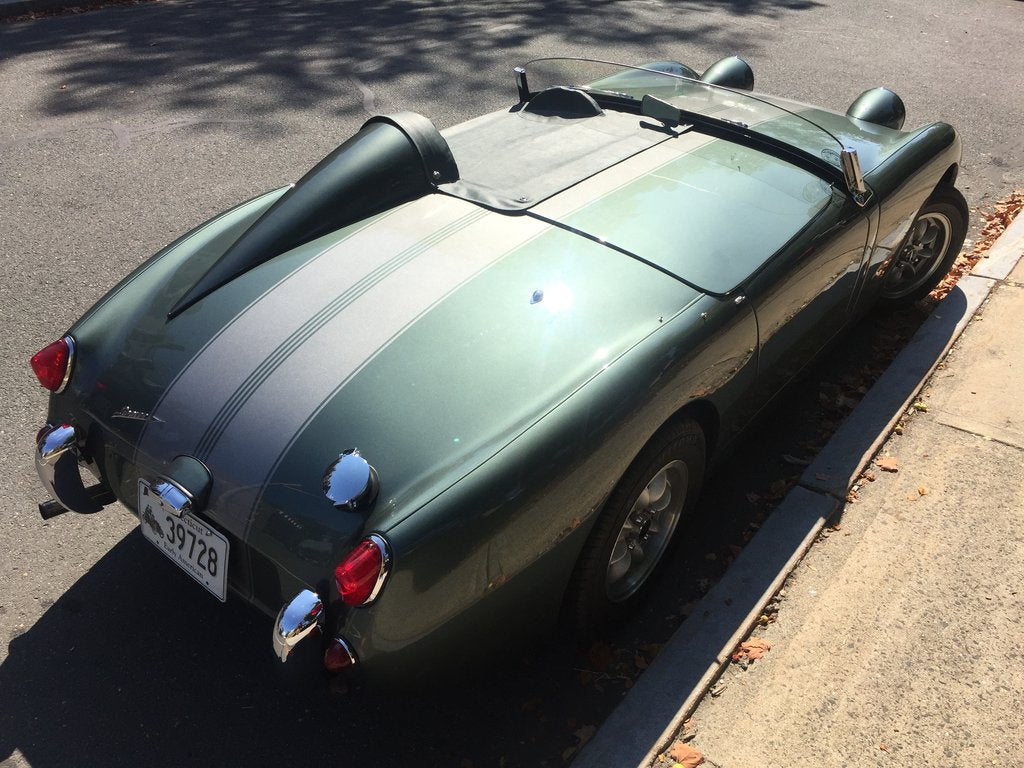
<point>296,621</point>
<point>58,456</point>
<point>302,617</point>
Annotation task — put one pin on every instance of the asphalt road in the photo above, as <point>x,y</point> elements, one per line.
<point>123,127</point>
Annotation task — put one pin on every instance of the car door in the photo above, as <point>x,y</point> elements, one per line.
<point>802,297</point>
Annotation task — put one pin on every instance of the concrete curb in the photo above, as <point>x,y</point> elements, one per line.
<point>645,722</point>
<point>1004,253</point>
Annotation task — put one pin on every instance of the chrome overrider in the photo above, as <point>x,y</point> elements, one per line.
<point>58,456</point>
<point>52,443</point>
<point>296,621</point>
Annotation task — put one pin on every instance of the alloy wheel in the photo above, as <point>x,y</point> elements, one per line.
<point>646,531</point>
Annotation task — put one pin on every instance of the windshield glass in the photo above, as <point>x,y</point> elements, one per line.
<point>673,82</point>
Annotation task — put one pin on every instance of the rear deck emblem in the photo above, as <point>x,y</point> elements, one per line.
<point>127,412</point>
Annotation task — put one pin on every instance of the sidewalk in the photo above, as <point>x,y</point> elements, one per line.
<point>897,639</point>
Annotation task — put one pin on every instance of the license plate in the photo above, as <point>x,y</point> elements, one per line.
<point>197,548</point>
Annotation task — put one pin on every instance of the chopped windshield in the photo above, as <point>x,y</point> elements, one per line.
<point>675,83</point>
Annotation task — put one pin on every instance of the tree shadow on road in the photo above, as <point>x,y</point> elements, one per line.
<point>263,58</point>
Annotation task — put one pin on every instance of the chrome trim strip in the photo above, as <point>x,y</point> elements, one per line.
<point>296,621</point>
<point>67,369</point>
<point>385,565</point>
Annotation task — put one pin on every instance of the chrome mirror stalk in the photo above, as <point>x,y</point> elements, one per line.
<point>296,621</point>
<point>854,177</point>
<point>521,86</point>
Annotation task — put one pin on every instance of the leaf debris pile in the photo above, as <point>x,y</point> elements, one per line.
<point>616,664</point>
<point>994,223</point>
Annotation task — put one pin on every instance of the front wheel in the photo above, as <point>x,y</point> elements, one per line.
<point>929,250</point>
<point>636,526</point>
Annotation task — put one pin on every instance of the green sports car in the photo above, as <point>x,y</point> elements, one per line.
<point>451,385</point>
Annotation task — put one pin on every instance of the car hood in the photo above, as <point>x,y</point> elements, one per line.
<point>427,337</point>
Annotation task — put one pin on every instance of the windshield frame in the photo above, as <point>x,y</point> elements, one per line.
<point>834,173</point>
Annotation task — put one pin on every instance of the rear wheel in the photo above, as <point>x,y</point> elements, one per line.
<point>929,250</point>
<point>636,527</point>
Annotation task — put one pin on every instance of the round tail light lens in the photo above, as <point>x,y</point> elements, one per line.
<point>52,364</point>
<point>338,656</point>
<point>361,574</point>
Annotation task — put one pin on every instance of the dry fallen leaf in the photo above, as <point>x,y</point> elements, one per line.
<point>922,491</point>
<point>751,649</point>
<point>685,755</point>
<point>756,647</point>
<point>887,464</point>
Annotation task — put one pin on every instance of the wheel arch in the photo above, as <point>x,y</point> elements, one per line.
<point>705,413</point>
<point>949,177</point>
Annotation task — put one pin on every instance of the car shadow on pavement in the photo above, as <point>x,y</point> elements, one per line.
<point>134,665</point>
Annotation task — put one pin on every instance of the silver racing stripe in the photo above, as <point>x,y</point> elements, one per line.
<point>290,276</point>
<point>253,390</point>
<point>310,327</point>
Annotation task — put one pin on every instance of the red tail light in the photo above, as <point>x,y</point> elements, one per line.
<point>361,574</point>
<point>338,656</point>
<point>52,364</point>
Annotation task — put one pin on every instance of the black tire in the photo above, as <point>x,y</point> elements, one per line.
<point>928,251</point>
<point>672,461</point>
